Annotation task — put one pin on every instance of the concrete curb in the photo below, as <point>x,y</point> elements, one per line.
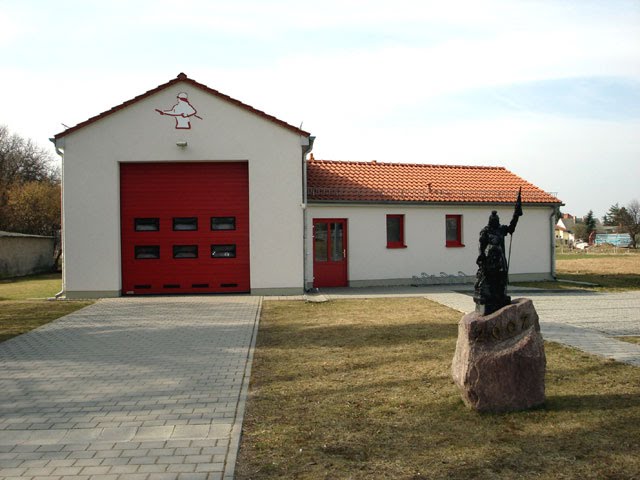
<point>236,430</point>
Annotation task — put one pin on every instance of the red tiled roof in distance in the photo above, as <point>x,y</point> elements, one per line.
<point>337,181</point>
<point>183,78</point>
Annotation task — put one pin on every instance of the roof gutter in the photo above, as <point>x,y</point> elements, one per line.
<point>306,149</point>
<point>59,146</point>
<point>552,221</point>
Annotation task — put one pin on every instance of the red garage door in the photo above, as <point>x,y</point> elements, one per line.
<point>185,227</point>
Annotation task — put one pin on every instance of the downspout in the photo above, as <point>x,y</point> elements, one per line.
<point>552,221</point>
<point>305,150</point>
<point>60,152</point>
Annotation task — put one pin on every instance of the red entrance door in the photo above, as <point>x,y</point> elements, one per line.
<point>329,252</point>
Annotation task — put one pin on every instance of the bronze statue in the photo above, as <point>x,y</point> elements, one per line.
<point>493,266</point>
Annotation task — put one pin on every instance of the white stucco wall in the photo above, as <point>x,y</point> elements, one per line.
<point>371,262</point>
<point>138,133</point>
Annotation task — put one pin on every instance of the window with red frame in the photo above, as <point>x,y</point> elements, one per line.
<point>453,228</point>
<point>395,231</point>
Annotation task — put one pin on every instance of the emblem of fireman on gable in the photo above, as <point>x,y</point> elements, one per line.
<point>181,111</point>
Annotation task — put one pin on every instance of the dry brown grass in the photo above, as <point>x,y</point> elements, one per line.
<point>600,264</point>
<point>608,271</point>
<point>630,339</point>
<point>361,389</point>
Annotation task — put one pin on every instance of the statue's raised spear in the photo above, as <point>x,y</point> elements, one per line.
<point>517,212</point>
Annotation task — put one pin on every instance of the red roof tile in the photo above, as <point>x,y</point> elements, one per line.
<point>183,78</point>
<point>339,181</point>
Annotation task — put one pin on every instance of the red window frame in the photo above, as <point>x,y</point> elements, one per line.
<point>458,241</point>
<point>400,242</point>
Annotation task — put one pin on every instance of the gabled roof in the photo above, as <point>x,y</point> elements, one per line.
<point>183,78</point>
<point>337,181</point>
<point>569,223</point>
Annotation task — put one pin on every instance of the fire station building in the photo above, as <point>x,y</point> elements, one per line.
<point>184,190</point>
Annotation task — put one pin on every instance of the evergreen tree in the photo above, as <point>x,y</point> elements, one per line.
<point>590,224</point>
<point>612,217</point>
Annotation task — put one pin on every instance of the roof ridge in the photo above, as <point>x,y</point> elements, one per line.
<point>418,165</point>
<point>181,77</point>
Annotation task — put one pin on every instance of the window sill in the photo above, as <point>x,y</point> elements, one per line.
<point>396,246</point>
<point>454,245</point>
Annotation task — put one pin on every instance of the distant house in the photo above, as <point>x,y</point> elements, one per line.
<point>565,230</point>
<point>185,190</point>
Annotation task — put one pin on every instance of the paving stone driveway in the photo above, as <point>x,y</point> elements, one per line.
<point>135,388</point>
<point>589,321</point>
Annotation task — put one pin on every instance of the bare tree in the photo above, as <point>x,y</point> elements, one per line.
<point>630,220</point>
<point>22,164</point>
<point>580,232</point>
<point>21,160</point>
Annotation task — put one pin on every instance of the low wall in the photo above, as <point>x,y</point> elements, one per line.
<point>24,254</point>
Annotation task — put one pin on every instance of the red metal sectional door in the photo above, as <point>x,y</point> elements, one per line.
<point>185,227</point>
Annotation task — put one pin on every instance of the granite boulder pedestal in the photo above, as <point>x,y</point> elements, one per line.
<point>499,363</point>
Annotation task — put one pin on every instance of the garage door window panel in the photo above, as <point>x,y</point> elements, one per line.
<point>146,224</point>
<point>223,251</point>
<point>185,223</point>
<point>223,223</point>
<point>185,251</point>
<point>147,252</point>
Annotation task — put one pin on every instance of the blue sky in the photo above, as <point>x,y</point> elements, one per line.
<point>548,89</point>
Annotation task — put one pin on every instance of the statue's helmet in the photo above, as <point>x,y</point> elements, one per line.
<point>494,219</point>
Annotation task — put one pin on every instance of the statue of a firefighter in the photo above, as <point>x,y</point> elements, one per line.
<point>493,266</point>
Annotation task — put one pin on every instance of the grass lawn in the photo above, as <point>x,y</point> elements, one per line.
<point>31,287</point>
<point>23,304</point>
<point>361,389</point>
